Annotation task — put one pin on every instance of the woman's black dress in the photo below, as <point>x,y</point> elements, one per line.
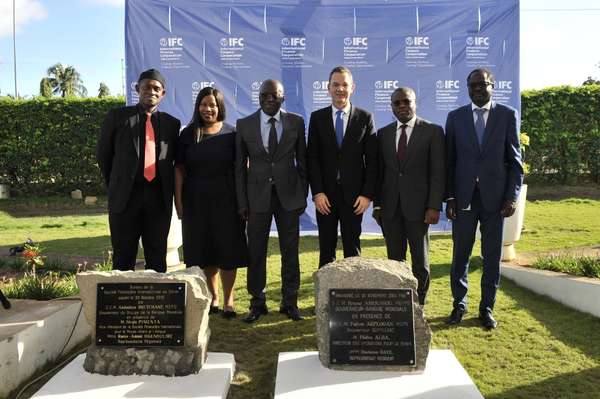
<point>213,233</point>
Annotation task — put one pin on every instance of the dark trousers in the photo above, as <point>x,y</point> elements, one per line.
<point>350,227</point>
<point>144,216</point>
<point>463,237</point>
<point>396,231</point>
<point>288,229</point>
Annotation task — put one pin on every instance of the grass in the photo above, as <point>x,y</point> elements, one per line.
<point>541,348</point>
<point>585,266</point>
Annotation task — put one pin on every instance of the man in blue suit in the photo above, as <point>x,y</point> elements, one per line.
<point>484,177</point>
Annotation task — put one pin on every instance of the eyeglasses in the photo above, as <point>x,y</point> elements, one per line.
<point>480,85</point>
<point>268,96</point>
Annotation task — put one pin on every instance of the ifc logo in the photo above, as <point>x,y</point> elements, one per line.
<point>132,85</point>
<point>285,41</point>
<point>163,42</point>
<point>256,85</point>
<point>470,41</point>
<point>409,41</point>
<point>379,84</point>
<point>439,84</point>
<point>224,42</point>
<point>195,86</point>
<point>320,85</point>
<point>348,41</point>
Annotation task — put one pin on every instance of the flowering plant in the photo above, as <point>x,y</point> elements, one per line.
<point>32,256</point>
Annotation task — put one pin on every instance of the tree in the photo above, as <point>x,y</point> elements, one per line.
<point>45,88</point>
<point>103,90</point>
<point>590,81</point>
<point>66,81</point>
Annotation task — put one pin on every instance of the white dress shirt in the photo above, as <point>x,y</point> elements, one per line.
<point>345,115</point>
<point>410,125</point>
<point>487,108</point>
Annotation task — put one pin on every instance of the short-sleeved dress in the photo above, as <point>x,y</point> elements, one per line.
<point>213,233</point>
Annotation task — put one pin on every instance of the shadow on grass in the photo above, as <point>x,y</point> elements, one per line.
<point>573,328</point>
<point>579,385</point>
<point>51,206</point>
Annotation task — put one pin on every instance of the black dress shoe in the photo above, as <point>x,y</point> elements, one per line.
<point>456,316</point>
<point>487,320</point>
<point>229,314</point>
<point>255,314</point>
<point>292,312</point>
<point>214,310</point>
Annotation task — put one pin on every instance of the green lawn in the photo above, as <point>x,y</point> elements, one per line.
<point>541,349</point>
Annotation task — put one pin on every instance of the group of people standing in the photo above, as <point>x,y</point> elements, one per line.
<point>229,183</point>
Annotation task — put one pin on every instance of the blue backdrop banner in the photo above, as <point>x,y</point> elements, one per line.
<point>429,45</point>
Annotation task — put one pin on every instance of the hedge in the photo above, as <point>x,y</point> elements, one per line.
<point>563,124</point>
<point>47,145</point>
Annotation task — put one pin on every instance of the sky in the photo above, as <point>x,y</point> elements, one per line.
<point>558,42</point>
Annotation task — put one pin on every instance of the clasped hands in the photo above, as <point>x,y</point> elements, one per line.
<point>324,206</point>
<point>507,210</point>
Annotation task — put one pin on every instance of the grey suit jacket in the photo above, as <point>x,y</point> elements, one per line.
<point>256,170</point>
<point>418,182</point>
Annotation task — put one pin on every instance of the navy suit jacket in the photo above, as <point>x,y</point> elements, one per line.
<point>496,164</point>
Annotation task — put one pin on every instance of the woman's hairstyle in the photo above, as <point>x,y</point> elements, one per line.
<point>197,123</point>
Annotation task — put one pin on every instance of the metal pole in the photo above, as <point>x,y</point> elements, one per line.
<point>15,49</point>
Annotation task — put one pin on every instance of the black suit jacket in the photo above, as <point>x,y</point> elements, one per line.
<point>356,161</point>
<point>256,169</point>
<point>118,153</point>
<point>418,182</point>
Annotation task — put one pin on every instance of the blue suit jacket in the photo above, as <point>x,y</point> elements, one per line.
<point>496,164</point>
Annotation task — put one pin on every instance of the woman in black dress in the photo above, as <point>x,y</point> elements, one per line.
<point>213,233</point>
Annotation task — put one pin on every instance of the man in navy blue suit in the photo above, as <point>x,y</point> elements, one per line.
<point>484,177</point>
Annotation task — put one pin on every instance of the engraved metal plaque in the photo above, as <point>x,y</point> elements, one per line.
<point>140,314</point>
<point>371,327</point>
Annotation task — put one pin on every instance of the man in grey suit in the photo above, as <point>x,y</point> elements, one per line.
<point>271,182</point>
<point>411,184</point>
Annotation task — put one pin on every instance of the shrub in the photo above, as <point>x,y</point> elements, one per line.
<point>42,287</point>
<point>563,124</point>
<point>48,144</point>
<point>587,266</point>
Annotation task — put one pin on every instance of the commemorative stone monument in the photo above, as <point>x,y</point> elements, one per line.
<point>146,322</point>
<point>368,316</point>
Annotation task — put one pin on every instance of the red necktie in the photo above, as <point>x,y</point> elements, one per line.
<point>402,144</point>
<point>149,151</point>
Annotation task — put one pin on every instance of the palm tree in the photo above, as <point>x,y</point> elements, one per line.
<point>103,90</point>
<point>66,81</point>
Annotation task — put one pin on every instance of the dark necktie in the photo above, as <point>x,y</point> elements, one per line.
<point>149,150</point>
<point>272,137</point>
<point>339,127</point>
<point>480,125</point>
<point>401,152</point>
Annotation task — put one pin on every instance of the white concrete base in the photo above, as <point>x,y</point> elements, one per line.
<point>32,334</point>
<point>73,382</point>
<point>579,293</point>
<point>300,375</point>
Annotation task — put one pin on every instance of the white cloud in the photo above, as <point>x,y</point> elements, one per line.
<point>113,3</point>
<point>26,11</point>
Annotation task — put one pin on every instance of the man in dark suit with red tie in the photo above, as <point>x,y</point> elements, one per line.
<point>484,177</point>
<point>135,153</point>
<point>411,184</point>
<point>342,167</point>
